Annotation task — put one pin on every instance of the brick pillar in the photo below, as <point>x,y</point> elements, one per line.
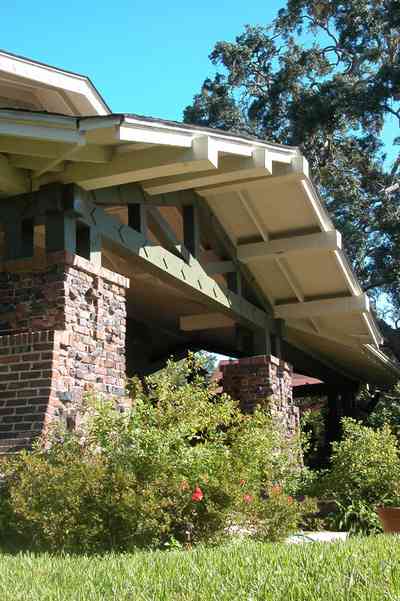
<point>262,380</point>
<point>62,333</point>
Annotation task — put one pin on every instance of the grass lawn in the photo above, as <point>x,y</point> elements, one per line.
<point>362,569</point>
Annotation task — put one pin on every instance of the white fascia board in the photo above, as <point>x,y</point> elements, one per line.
<point>233,148</point>
<point>94,123</point>
<point>229,144</point>
<point>39,132</point>
<point>38,118</point>
<point>160,133</point>
<point>373,329</point>
<point>383,359</point>
<point>54,78</point>
<point>319,210</point>
<point>348,274</point>
<point>151,135</point>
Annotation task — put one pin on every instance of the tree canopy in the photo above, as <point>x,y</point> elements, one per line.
<point>324,76</point>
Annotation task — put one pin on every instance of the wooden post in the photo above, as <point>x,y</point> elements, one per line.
<point>332,424</point>
<point>234,282</point>
<point>95,246</point>
<point>191,230</point>
<point>137,218</point>
<point>262,342</point>
<point>60,232</point>
<point>279,329</point>
<point>13,239</point>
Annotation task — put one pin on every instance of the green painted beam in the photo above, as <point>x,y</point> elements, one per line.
<point>166,265</point>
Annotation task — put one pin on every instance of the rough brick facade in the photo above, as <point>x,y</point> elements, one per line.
<point>62,332</point>
<point>259,380</point>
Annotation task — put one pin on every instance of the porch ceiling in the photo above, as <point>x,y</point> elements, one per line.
<point>260,194</point>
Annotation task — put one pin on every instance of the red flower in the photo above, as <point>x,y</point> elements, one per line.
<point>197,494</point>
<point>242,482</point>
<point>290,500</point>
<point>247,498</point>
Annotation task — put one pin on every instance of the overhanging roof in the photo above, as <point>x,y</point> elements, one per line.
<point>260,193</point>
<point>29,84</point>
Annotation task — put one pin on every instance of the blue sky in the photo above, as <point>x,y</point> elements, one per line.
<point>145,57</point>
<point>148,57</point>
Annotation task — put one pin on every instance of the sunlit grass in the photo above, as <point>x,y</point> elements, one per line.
<point>361,569</point>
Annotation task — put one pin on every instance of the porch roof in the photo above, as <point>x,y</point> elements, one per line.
<point>260,193</point>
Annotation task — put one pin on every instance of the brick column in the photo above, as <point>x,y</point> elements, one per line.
<point>262,380</point>
<point>62,333</point>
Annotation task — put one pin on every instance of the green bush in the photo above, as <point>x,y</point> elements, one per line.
<point>386,411</point>
<point>364,473</point>
<point>174,469</point>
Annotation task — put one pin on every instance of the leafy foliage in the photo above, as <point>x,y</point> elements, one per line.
<point>177,468</point>
<point>386,411</point>
<point>324,76</point>
<point>364,473</point>
<point>313,427</point>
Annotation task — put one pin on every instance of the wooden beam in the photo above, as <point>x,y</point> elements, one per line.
<point>224,246</point>
<point>220,267</point>
<point>128,193</point>
<point>32,163</point>
<point>328,334</point>
<point>164,232</point>
<point>61,158</point>
<point>205,321</point>
<point>138,166</point>
<point>328,306</point>
<point>51,150</point>
<point>321,242</point>
<point>12,180</point>
<point>318,362</point>
<point>257,183</point>
<point>290,278</point>
<point>230,169</point>
<point>166,265</point>
<point>252,213</point>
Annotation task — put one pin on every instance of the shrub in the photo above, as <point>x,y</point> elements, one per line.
<point>386,411</point>
<point>171,468</point>
<point>364,473</point>
<point>274,514</point>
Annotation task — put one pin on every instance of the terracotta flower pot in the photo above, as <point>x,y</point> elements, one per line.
<point>390,518</point>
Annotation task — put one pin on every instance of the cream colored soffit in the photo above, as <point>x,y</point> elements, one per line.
<point>260,193</point>
<point>27,84</point>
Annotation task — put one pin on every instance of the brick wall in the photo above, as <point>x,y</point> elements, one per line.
<point>260,380</point>
<point>26,364</point>
<point>62,333</point>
